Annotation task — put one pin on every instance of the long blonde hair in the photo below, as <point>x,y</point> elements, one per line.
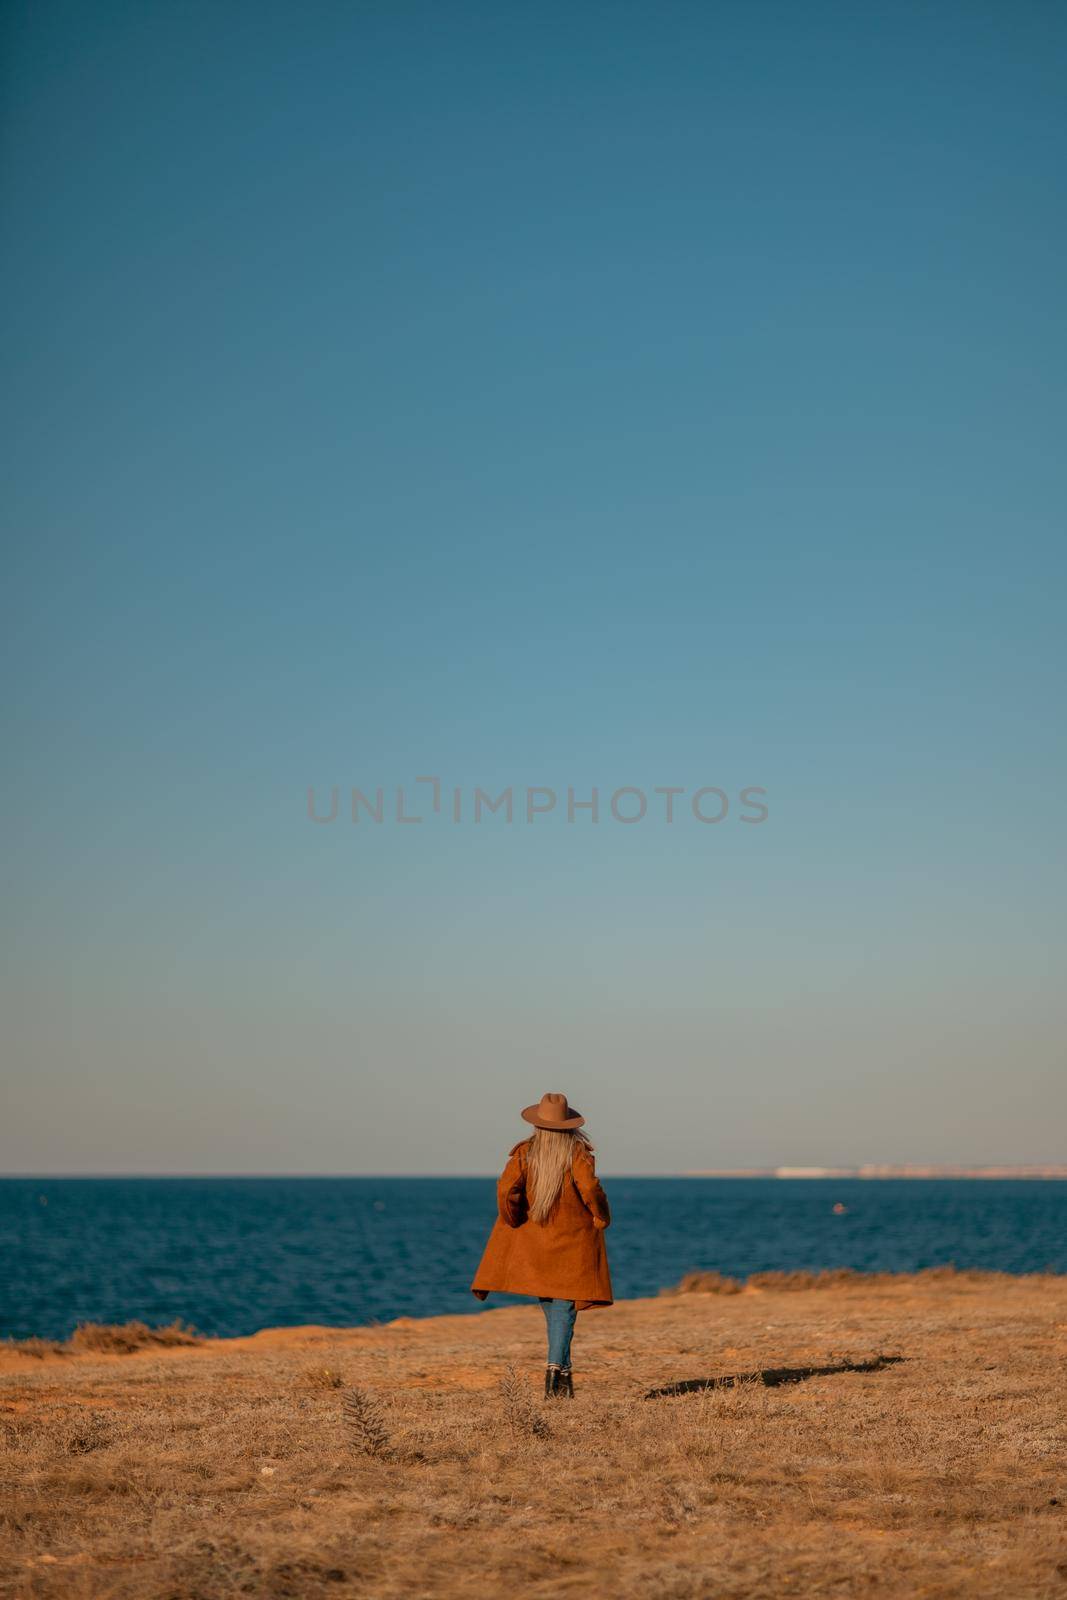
<point>549,1157</point>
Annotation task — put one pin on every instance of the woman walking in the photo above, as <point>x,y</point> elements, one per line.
<point>548,1239</point>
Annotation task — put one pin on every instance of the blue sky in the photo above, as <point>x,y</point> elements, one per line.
<point>561,395</point>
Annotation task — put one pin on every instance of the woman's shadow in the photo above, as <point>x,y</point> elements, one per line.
<point>771,1376</point>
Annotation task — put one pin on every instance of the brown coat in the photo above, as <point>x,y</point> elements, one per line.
<point>563,1258</point>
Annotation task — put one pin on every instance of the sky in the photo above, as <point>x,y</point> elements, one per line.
<point>548,397</point>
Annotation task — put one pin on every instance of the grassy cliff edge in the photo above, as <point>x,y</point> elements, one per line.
<point>892,1435</point>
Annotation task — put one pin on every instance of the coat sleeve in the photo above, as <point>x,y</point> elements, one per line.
<point>511,1192</point>
<point>588,1186</point>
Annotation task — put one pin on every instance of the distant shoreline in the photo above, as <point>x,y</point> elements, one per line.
<point>906,1171</point>
<point>1050,1172</point>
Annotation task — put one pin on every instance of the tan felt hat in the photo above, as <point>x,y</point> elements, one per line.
<point>553,1113</point>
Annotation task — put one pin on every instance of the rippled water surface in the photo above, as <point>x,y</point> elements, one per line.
<point>234,1254</point>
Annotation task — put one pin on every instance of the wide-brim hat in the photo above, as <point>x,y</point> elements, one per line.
<point>553,1114</point>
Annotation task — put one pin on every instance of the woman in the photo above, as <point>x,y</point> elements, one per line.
<point>548,1240</point>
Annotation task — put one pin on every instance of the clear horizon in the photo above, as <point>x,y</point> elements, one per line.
<point>638,398</point>
<point>1017,1172</point>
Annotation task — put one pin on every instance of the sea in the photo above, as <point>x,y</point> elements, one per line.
<point>232,1255</point>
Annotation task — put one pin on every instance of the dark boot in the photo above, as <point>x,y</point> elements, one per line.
<point>565,1386</point>
<point>551,1382</point>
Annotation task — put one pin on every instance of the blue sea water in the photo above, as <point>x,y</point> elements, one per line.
<point>231,1255</point>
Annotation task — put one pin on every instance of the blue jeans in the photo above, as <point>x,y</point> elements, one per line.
<point>559,1315</point>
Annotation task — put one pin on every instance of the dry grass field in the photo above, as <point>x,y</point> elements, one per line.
<point>417,1459</point>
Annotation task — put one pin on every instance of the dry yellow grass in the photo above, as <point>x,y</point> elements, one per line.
<point>231,1468</point>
